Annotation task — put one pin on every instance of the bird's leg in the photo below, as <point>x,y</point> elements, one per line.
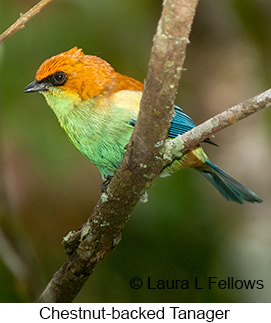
<point>106,183</point>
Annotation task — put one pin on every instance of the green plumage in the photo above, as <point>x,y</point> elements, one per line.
<point>99,132</point>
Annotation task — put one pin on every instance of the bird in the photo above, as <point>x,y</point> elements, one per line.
<point>98,107</point>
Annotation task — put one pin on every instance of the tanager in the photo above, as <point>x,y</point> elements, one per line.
<point>98,108</point>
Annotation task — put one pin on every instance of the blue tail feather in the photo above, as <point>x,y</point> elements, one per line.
<point>228,186</point>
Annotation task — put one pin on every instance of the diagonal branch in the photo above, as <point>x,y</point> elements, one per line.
<point>102,232</point>
<point>181,144</point>
<point>20,22</point>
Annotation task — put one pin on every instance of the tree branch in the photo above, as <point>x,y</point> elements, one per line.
<point>20,22</point>
<point>102,231</point>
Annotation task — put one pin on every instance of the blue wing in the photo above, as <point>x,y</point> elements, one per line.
<point>180,124</point>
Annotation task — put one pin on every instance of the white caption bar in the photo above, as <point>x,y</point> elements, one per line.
<point>131,312</point>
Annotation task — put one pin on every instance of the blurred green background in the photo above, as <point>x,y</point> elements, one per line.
<point>187,229</point>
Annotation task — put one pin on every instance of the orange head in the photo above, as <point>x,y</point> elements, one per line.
<point>77,73</point>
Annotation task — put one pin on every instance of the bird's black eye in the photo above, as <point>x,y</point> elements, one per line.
<point>59,78</point>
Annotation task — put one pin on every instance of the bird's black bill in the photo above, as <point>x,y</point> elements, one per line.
<point>35,87</point>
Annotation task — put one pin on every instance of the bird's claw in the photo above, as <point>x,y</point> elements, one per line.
<point>106,183</point>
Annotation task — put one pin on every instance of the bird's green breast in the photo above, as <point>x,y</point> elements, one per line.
<point>99,128</point>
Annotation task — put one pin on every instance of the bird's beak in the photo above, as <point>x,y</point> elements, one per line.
<point>35,86</point>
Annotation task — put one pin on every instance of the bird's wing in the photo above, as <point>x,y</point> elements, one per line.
<point>180,123</point>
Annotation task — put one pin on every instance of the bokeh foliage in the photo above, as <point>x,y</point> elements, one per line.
<point>186,229</point>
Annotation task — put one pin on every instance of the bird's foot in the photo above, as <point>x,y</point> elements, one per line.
<point>106,183</point>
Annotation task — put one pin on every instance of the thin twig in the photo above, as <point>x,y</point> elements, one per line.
<point>12,245</point>
<point>20,22</point>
